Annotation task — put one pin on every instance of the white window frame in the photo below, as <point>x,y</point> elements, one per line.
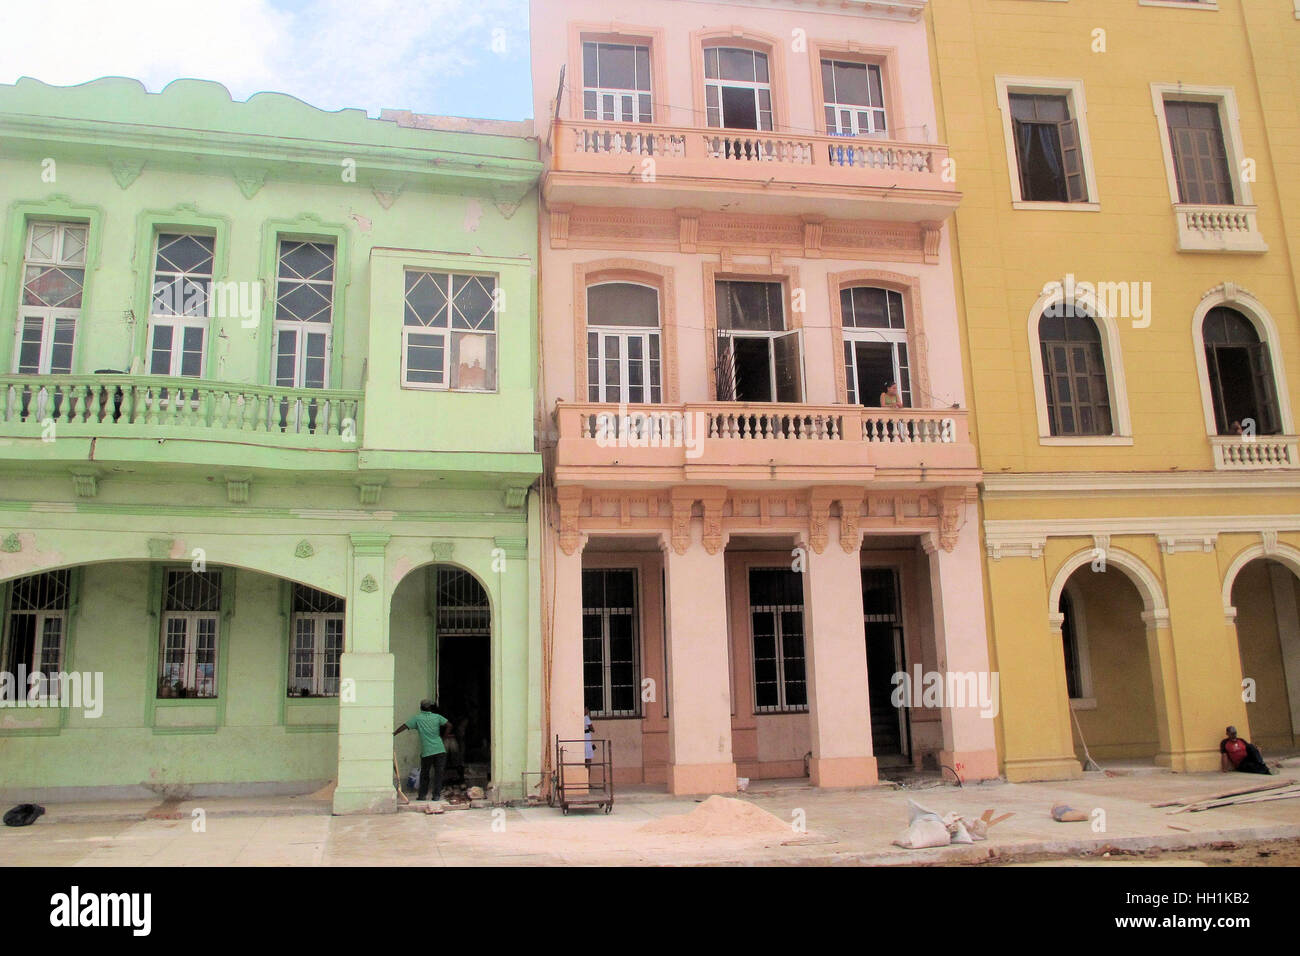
<point>754,86</point>
<point>616,92</point>
<point>448,332</point>
<point>50,316</point>
<point>49,687</point>
<point>625,332</point>
<point>855,109</point>
<point>1077,105</point>
<point>1121,424</point>
<point>1225,98</point>
<point>192,619</point>
<point>891,337</point>
<point>301,327</point>
<point>732,334</point>
<point>179,323</point>
<point>319,621</point>
<point>1266,328</point>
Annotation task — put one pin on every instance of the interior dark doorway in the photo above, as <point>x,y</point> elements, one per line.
<point>463,633</point>
<point>882,614</point>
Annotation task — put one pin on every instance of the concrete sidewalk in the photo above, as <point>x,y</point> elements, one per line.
<point>842,827</point>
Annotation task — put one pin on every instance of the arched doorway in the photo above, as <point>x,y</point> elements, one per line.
<point>441,639</point>
<point>1266,595</point>
<point>1108,661</point>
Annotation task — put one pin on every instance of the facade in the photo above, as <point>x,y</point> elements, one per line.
<point>265,442</point>
<point>743,244</point>
<point>1141,515</point>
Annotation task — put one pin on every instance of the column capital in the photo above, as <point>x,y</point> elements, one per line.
<point>369,543</point>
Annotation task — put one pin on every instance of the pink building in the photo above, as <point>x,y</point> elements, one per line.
<point>761,483</point>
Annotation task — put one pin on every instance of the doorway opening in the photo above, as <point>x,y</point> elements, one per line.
<point>463,648</point>
<point>882,614</point>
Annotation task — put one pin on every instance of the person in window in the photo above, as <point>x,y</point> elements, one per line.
<point>430,725</point>
<point>889,398</point>
<point>1240,755</point>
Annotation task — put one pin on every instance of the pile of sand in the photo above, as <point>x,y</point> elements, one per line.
<point>721,817</point>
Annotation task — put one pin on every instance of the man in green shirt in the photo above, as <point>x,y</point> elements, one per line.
<point>430,725</point>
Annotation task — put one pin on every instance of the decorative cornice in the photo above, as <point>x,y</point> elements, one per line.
<point>85,483</point>
<point>1026,547</point>
<point>1176,543</point>
<point>238,488</point>
<point>443,550</point>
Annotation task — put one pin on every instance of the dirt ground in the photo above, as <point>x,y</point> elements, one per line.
<point>1269,853</point>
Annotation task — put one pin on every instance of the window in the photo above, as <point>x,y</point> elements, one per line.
<point>776,620</point>
<point>317,643</point>
<point>758,360</point>
<point>616,82</point>
<point>449,332</point>
<point>855,99</point>
<point>191,609</point>
<point>1074,373</point>
<point>178,312</point>
<point>54,277</point>
<point>623,348</point>
<point>1242,388</point>
<point>737,89</point>
<point>611,653</point>
<point>1077,672</point>
<point>1048,154</point>
<point>304,313</point>
<point>1199,154</point>
<point>36,632</point>
<point>875,346</point>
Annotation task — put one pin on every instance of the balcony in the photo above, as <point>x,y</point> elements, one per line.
<point>749,172</point>
<point>1218,229</point>
<point>1256,453</point>
<point>737,443</point>
<point>108,418</point>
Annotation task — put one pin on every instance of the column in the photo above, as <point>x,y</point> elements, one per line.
<point>365,781</point>
<point>836,661</point>
<point>699,685</point>
<point>957,589</point>
<point>564,604</point>
<point>1199,680</point>
<point>511,671</point>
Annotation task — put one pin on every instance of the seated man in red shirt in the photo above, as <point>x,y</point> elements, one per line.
<point>1240,755</point>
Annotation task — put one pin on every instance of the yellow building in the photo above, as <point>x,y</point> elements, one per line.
<point>1127,247</point>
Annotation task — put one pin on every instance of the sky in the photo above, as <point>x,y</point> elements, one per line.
<point>452,57</point>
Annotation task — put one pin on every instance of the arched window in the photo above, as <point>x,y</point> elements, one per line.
<point>623,346</point>
<point>1074,372</point>
<point>1242,387</point>
<point>875,348</point>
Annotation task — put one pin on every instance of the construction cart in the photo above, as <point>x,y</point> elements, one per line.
<point>577,783</point>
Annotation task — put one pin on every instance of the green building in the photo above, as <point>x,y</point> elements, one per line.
<point>266,443</point>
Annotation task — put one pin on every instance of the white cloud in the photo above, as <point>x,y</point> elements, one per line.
<point>331,53</point>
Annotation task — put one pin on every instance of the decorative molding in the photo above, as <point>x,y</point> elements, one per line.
<point>304,549</point>
<point>368,584</point>
<point>126,171</point>
<point>1003,529</point>
<point>368,490</point>
<point>713,539</point>
<point>1028,547</point>
<point>850,527</point>
<point>160,549</point>
<point>952,508</point>
<point>238,488</point>
<point>1085,484</point>
<point>12,543</point>
<point>514,546</point>
<point>695,231</point>
<point>909,287</point>
<point>515,497</point>
<point>819,517</point>
<point>1175,543</point>
<point>85,484</point>
<point>386,193</point>
<point>443,550</point>
<point>1101,542</point>
<point>680,533</point>
<point>250,181</point>
<point>1270,542</point>
<point>569,499</point>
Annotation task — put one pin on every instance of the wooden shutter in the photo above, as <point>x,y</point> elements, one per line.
<point>1261,368</point>
<point>789,366</point>
<point>1216,390</point>
<point>1076,189</point>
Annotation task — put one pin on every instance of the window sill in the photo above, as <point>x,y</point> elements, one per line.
<point>1083,703</point>
<point>1203,228</point>
<point>1085,439</point>
<point>1057,206</point>
<point>1184,4</point>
